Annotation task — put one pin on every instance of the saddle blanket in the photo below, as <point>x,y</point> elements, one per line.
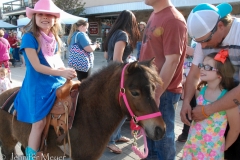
<point>8,105</point>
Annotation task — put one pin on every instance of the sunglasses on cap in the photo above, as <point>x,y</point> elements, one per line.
<point>210,36</point>
<point>206,67</point>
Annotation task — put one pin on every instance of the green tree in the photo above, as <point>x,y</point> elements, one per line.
<point>74,7</point>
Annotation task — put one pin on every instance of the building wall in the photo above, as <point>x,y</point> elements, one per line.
<point>93,3</point>
<point>107,10</point>
<point>177,3</point>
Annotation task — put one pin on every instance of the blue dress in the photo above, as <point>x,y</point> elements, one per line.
<point>38,92</point>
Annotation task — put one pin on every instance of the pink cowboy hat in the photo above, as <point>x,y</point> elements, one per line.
<point>43,6</point>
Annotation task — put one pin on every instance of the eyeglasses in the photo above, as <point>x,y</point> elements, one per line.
<point>206,67</point>
<point>210,36</point>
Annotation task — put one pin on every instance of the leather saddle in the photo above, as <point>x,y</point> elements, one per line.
<point>62,114</point>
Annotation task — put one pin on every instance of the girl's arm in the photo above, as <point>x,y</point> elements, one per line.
<point>118,51</point>
<point>234,128</point>
<point>34,60</point>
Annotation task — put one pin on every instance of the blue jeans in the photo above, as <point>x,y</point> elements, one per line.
<point>139,44</point>
<point>117,133</point>
<point>165,148</point>
<point>16,54</point>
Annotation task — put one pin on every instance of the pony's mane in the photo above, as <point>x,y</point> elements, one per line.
<point>113,72</point>
<point>104,73</point>
<point>153,74</point>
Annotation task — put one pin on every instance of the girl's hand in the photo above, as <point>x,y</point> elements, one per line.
<point>68,73</point>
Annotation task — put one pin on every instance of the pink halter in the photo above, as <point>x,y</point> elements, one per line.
<point>133,124</point>
<point>122,94</point>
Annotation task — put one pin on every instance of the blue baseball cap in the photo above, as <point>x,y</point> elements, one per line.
<point>204,17</point>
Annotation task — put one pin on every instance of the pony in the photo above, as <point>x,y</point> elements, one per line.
<point>98,113</point>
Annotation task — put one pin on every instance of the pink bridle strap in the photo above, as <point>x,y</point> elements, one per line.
<point>123,94</point>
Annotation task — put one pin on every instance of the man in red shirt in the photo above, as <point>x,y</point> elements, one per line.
<point>165,38</point>
<point>13,43</point>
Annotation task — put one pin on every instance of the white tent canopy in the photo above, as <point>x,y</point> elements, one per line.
<point>6,25</point>
<point>66,18</point>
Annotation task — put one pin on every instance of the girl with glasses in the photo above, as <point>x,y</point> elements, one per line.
<point>206,138</point>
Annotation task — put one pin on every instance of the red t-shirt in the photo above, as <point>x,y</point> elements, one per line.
<point>166,34</point>
<point>12,40</point>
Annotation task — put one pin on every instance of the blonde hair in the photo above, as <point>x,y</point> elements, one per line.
<point>74,28</point>
<point>1,33</point>
<point>56,29</point>
<point>3,70</point>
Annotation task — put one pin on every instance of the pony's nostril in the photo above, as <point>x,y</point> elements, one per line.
<point>159,133</point>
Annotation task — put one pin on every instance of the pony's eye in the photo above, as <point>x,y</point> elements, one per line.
<point>135,93</point>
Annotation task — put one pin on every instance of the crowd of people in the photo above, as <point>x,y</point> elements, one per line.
<point>10,43</point>
<point>208,87</point>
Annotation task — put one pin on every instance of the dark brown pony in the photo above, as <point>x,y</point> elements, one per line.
<point>98,112</point>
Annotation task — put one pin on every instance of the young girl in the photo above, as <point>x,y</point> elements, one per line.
<point>4,82</point>
<point>45,71</point>
<point>206,138</point>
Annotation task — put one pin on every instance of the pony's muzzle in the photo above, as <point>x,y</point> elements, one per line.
<point>159,132</point>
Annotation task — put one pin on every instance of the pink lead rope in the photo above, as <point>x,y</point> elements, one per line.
<point>135,120</point>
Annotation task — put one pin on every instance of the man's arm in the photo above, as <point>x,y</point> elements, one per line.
<point>168,70</point>
<point>228,101</point>
<point>189,91</point>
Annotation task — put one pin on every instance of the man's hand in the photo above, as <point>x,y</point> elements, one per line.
<point>197,114</point>
<point>186,111</point>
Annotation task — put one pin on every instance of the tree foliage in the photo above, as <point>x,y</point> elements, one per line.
<point>74,7</point>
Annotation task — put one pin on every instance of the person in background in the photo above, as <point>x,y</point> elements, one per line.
<point>206,138</point>
<point>142,26</point>
<point>119,44</point>
<point>4,81</point>
<point>165,38</point>
<point>16,50</point>
<point>187,65</point>
<point>5,33</point>
<point>23,31</point>
<point>4,53</point>
<point>79,29</point>
<point>14,44</point>
<point>213,28</point>
<point>45,71</point>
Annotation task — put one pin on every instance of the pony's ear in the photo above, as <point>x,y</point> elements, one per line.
<point>132,66</point>
<point>148,63</point>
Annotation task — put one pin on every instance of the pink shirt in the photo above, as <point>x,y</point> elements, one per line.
<point>4,49</point>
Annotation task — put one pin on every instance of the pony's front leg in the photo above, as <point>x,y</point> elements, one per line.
<point>52,148</point>
<point>8,149</point>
